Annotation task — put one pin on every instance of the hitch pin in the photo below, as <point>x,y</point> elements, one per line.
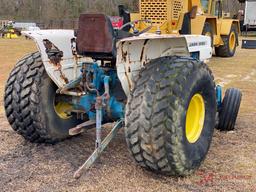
<point>98,121</point>
<point>98,144</point>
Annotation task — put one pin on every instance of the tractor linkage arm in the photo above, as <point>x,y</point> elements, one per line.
<point>101,102</point>
<point>100,146</point>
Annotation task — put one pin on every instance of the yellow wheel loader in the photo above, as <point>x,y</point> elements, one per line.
<point>201,17</point>
<point>9,32</point>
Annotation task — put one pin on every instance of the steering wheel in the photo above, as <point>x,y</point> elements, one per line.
<point>136,32</point>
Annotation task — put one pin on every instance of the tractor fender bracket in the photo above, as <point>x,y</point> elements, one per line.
<point>57,52</point>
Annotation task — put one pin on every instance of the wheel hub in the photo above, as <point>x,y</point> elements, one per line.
<point>61,109</point>
<point>195,118</point>
<point>232,41</point>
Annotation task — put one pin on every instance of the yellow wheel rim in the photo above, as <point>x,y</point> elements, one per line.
<point>61,109</point>
<point>195,118</point>
<point>232,41</point>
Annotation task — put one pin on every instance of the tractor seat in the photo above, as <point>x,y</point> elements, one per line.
<point>96,37</point>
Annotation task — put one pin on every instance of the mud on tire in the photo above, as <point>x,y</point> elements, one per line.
<point>156,115</point>
<point>29,103</point>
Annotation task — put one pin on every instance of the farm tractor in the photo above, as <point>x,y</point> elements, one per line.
<point>9,32</point>
<point>154,84</point>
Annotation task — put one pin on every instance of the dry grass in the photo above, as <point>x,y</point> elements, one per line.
<point>10,51</point>
<point>230,164</point>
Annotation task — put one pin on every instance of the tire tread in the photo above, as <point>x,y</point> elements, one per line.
<point>21,99</point>
<point>148,143</point>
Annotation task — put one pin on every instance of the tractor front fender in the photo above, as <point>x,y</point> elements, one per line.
<point>135,52</point>
<point>197,24</point>
<point>57,49</point>
<point>226,25</point>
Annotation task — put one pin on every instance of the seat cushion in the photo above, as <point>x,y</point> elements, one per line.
<point>95,36</point>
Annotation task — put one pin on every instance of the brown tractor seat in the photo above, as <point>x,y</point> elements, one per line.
<point>96,37</point>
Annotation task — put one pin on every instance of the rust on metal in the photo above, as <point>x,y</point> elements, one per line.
<point>55,56</point>
<point>124,53</point>
<point>73,46</point>
<point>94,34</point>
<point>80,128</point>
<point>143,49</point>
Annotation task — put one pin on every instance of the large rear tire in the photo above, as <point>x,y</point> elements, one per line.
<point>30,103</point>
<point>170,115</point>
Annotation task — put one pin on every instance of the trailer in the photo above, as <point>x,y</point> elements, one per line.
<point>250,16</point>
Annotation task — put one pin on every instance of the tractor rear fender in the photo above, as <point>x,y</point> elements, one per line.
<point>134,53</point>
<point>58,53</point>
<point>63,65</point>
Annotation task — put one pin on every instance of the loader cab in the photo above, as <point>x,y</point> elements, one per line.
<point>205,5</point>
<point>212,7</point>
<point>217,8</point>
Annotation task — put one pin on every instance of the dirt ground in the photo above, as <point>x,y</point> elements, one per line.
<point>230,164</point>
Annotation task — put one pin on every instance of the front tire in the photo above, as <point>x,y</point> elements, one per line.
<point>158,122</point>
<point>30,103</point>
<point>229,109</point>
<point>230,44</point>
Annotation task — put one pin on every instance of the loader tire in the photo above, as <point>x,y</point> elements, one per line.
<point>229,109</point>
<point>159,115</point>
<point>29,103</point>
<point>230,44</point>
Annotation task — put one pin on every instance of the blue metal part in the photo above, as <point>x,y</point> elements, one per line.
<point>102,81</point>
<point>116,108</point>
<point>98,76</point>
<point>87,103</point>
<point>219,95</point>
<point>195,55</point>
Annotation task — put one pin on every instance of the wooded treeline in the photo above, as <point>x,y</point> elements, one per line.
<point>47,11</point>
